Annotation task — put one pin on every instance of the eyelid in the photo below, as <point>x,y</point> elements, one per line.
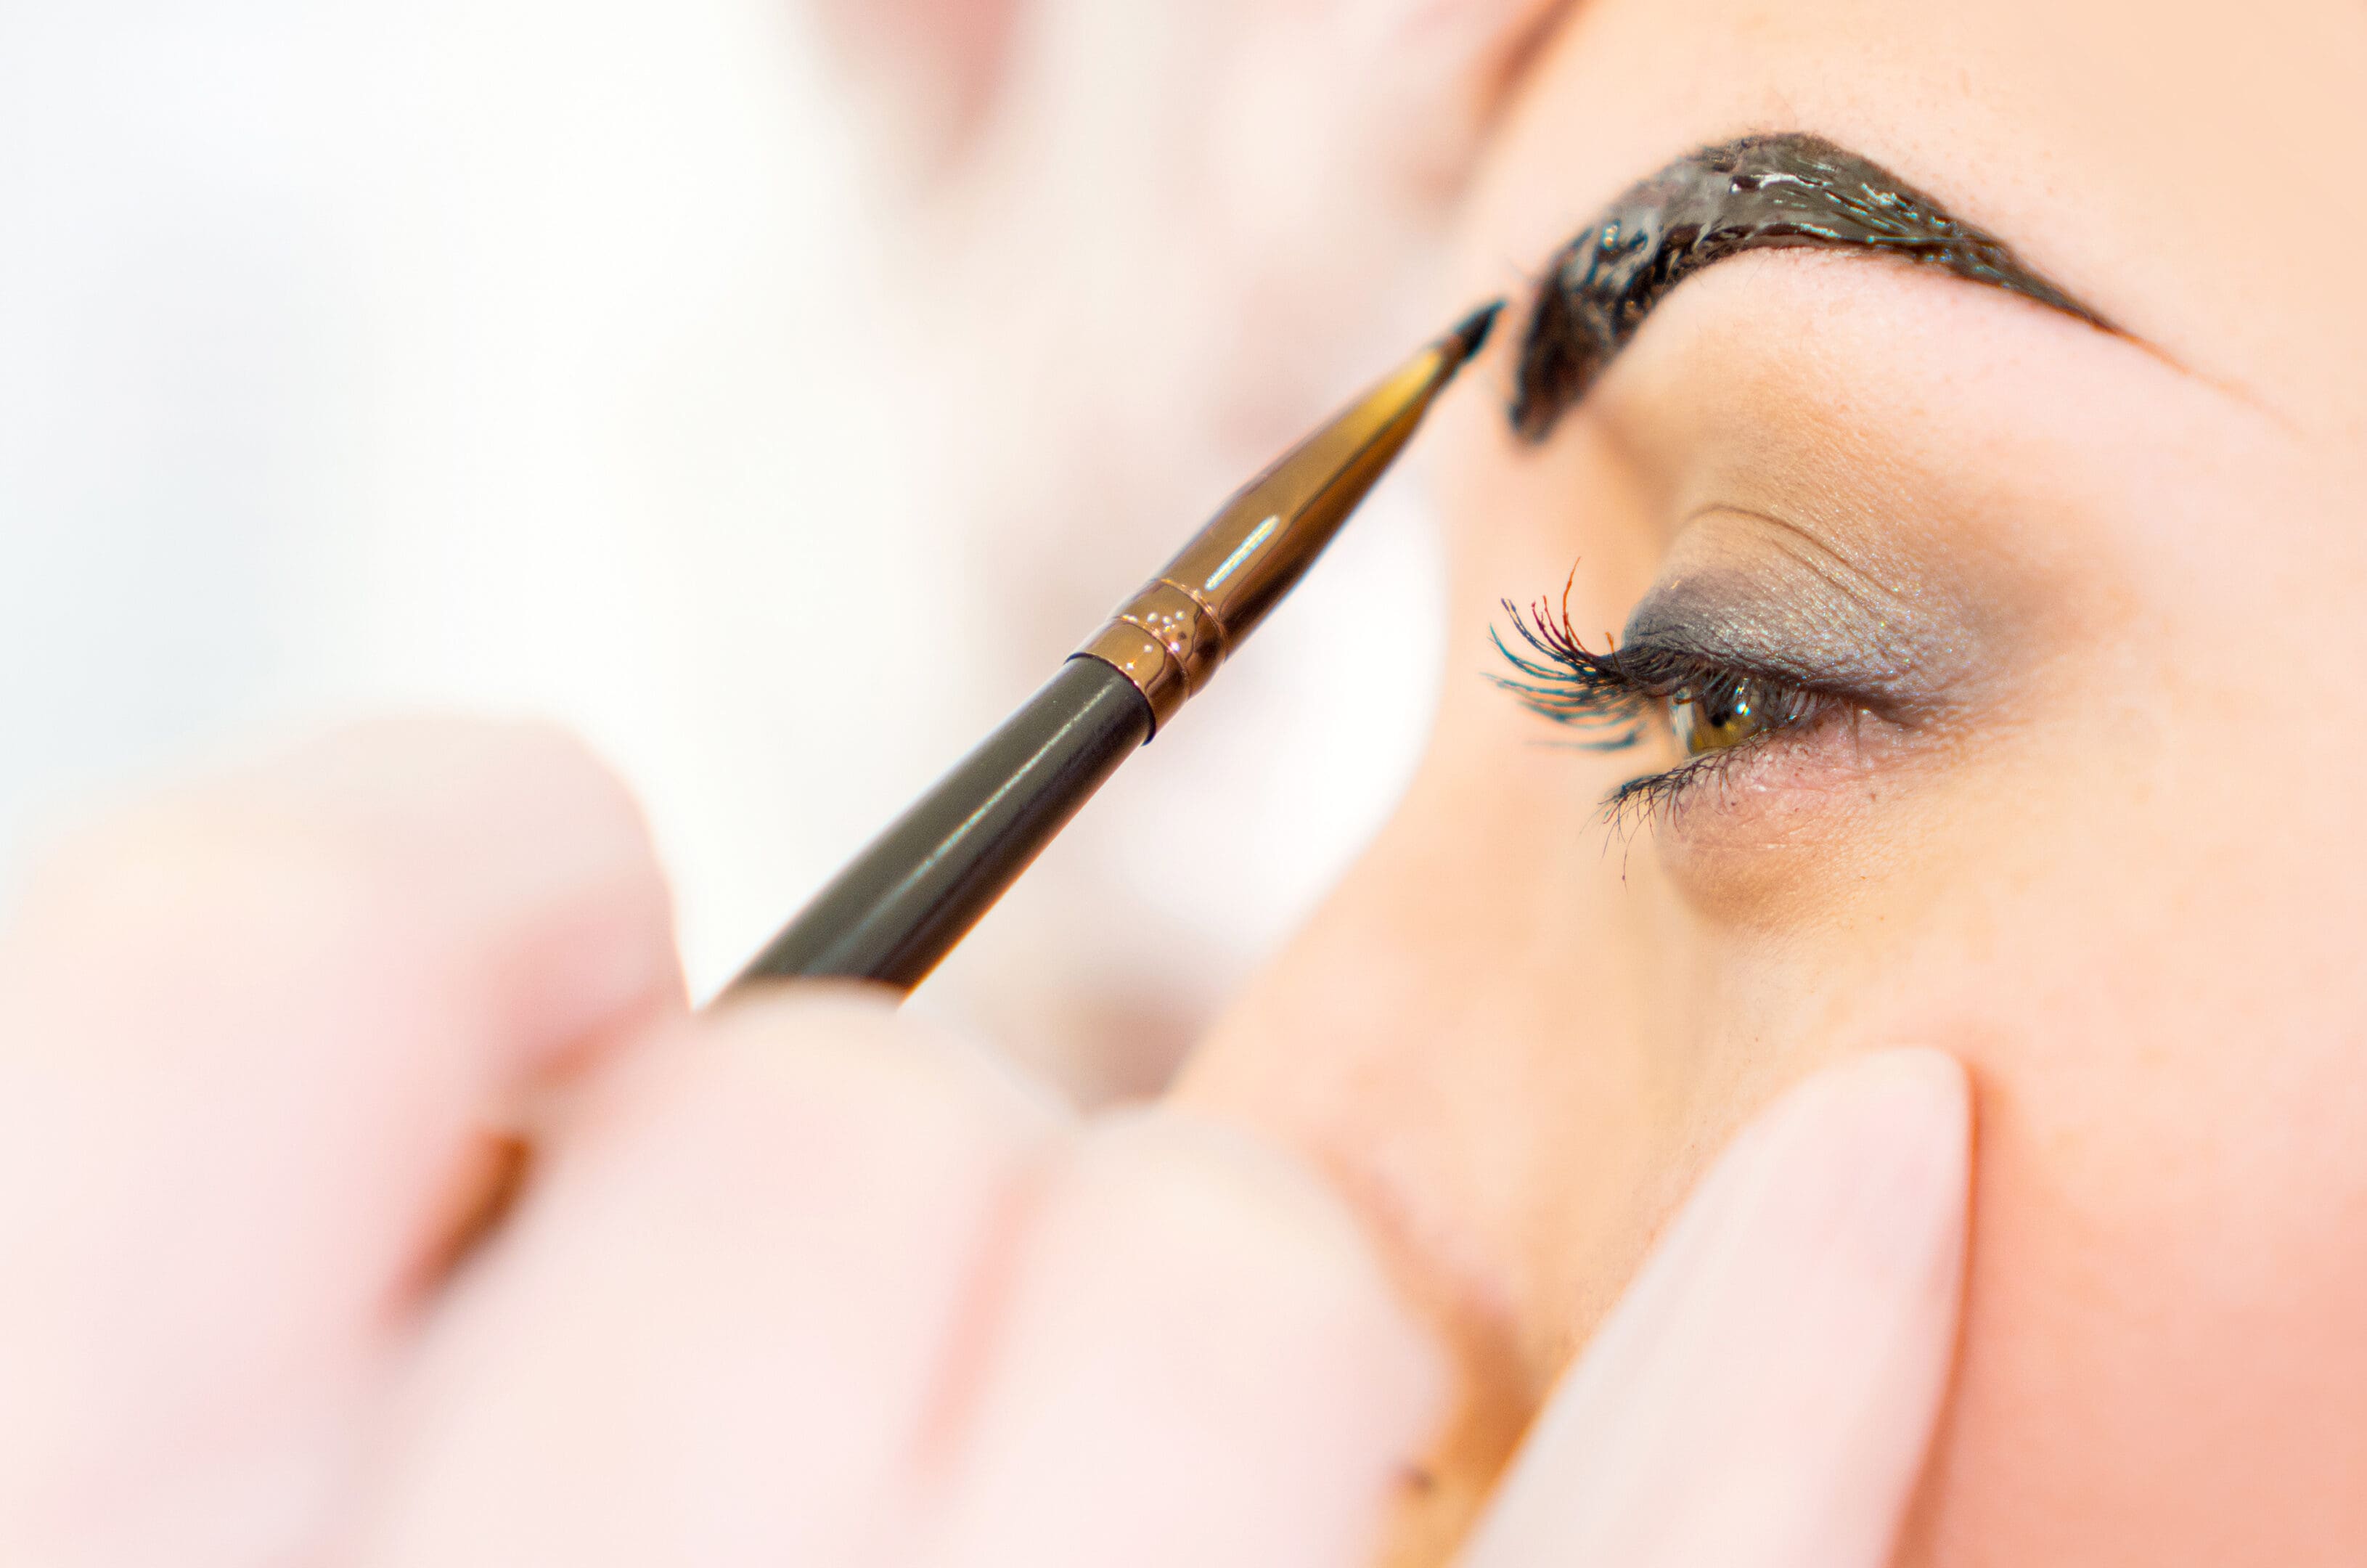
<point>1707,652</point>
<point>1804,623</point>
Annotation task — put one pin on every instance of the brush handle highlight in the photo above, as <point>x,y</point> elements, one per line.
<point>894,912</point>
<point>903,903</point>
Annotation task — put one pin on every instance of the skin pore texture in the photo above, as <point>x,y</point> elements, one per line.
<point>2078,805</point>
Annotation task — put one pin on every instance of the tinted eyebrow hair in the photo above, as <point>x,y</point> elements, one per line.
<point>1758,193</point>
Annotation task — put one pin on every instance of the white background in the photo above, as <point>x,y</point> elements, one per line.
<point>525,357</point>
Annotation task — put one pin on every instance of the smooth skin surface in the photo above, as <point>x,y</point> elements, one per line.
<point>2104,879</point>
<point>2114,862</point>
<point>798,1281</point>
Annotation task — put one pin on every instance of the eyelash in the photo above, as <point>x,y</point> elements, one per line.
<point>1613,694</point>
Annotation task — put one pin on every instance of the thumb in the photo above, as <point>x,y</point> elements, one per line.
<point>1765,1393</point>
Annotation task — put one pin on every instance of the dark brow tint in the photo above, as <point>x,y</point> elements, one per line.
<point>1759,193</point>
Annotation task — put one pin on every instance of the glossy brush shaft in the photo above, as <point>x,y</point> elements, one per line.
<point>904,901</point>
<point>898,908</point>
<point>1169,638</point>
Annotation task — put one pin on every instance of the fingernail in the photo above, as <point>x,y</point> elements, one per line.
<point>1766,1389</point>
<point>1859,1166</point>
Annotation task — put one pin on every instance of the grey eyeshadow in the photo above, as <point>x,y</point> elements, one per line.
<point>1780,616</point>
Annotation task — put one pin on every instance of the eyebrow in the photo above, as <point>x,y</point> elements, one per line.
<point>1758,193</point>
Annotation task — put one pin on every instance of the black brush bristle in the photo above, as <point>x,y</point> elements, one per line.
<point>1472,330</point>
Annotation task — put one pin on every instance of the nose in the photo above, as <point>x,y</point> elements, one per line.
<point>1416,1043</point>
<point>1340,1050</point>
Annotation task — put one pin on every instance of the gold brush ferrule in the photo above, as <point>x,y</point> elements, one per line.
<point>1168,639</point>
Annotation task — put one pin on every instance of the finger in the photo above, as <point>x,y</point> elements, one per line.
<point>250,1043</point>
<point>717,1329</point>
<point>1198,1361</point>
<point>1765,1393</point>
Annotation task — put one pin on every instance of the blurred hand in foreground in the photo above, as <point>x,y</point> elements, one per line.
<point>799,1280</point>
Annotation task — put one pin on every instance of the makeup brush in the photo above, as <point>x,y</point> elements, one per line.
<point>903,902</point>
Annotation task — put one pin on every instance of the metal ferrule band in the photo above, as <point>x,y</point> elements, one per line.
<point>1167,641</point>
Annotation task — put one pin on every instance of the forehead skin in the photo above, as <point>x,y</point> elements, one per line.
<point>2135,910</point>
<point>2157,167</point>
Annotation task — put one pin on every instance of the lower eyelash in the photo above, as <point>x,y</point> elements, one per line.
<point>1655,797</point>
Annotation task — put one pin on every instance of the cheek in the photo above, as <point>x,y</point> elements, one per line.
<point>2163,1022</point>
<point>2146,1305</point>
<point>1514,1041</point>
<point>2166,1279</point>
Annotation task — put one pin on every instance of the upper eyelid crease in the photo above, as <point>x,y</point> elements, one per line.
<point>1786,190</point>
<point>1749,590</point>
<point>1843,578</point>
<point>1656,661</point>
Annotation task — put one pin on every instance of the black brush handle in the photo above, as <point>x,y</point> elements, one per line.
<point>893,913</point>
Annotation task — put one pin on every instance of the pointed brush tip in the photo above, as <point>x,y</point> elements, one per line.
<point>1471,332</point>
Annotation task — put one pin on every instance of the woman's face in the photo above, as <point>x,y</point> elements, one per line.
<point>2082,805</point>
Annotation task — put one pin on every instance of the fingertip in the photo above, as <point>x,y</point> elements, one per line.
<point>511,859</point>
<point>256,1042</point>
<point>759,1244</point>
<point>816,1105</point>
<point>1198,1359</point>
<point>486,883</point>
<point>297,1008</point>
<point>1211,1199</point>
<point>834,1038</point>
<point>1772,1377</point>
<point>1890,1135</point>
<point>1911,1087</point>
